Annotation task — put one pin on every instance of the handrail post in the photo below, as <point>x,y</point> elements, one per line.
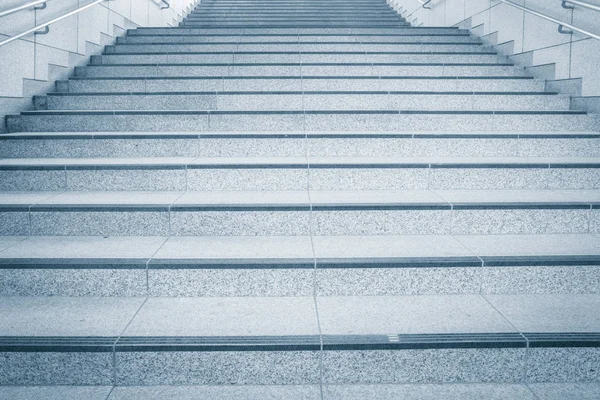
<point>565,6</point>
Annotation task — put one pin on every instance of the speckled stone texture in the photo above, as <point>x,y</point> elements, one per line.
<point>30,180</point>
<point>552,147</point>
<point>396,281</point>
<point>485,222</point>
<point>427,365</point>
<point>408,147</point>
<point>107,123</point>
<point>566,391</point>
<point>488,178</point>
<point>540,279</point>
<point>99,147</point>
<point>252,147</point>
<point>55,392</point>
<point>256,122</point>
<point>380,222</point>
<point>127,179</point>
<point>563,364</point>
<point>73,282</point>
<point>246,392</point>
<point>248,179</point>
<point>100,223</point>
<point>448,391</point>
<point>368,178</point>
<point>224,282</point>
<point>239,223</point>
<point>574,178</point>
<point>54,368</point>
<point>217,368</point>
<point>14,223</point>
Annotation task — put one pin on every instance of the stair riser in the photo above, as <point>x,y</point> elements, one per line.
<point>299,122</point>
<point>291,31</point>
<point>251,102</point>
<point>298,84</point>
<point>297,223</point>
<point>298,147</point>
<point>294,24</point>
<point>339,366</point>
<point>295,39</point>
<point>298,179</point>
<point>297,70</point>
<point>292,14</point>
<point>331,17</point>
<point>291,47</point>
<point>241,282</point>
<point>240,58</point>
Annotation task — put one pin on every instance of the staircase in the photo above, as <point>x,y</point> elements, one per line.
<point>300,199</point>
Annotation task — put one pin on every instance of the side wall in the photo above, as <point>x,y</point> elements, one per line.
<point>535,41</point>
<point>30,65</point>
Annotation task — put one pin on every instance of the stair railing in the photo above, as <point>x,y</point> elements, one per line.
<point>424,4</point>
<point>43,28</point>
<point>561,25</point>
<point>583,4</point>
<point>38,5</point>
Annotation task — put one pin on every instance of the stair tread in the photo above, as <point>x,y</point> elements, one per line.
<point>455,391</point>
<point>191,134</point>
<point>226,199</point>
<point>329,250</point>
<point>224,317</point>
<point>300,161</point>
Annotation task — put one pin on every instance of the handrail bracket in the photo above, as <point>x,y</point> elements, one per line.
<point>43,31</point>
<point>40,6</point>
<point>566,6</point>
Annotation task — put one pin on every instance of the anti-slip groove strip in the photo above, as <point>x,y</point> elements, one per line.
<point>122,343</point>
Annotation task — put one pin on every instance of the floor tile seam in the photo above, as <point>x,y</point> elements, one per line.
<point>526,356</point>
<point>29,221</point>
<point>526,384</point>
<point>114,346</point>
<point>110,392</point>
<point>147,269</point>
<point>464,246</point>
<point>314,293</point>
<point>173,203</point>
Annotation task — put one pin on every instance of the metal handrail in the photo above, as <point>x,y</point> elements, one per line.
<point>581,4</point>
<point>167,3</point>
<point>561,25</point>
<point>424,4</point>
<point>23,7</point>
<point>43,28</point>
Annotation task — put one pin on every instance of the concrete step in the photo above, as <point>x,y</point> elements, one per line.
<point>313,100</point>
<point>298,144</point>
<point>250,266</point>
<point>298,173</point>
<point>321,16</point>
<point>298,213</point>
<point>287,38</point>
<point>300,69</point>
<point>293,13</point>
<point>307,120</point>
<point>260,57</point>
<point>456,391</point>
<point>398,30</point>
<point>232,341</point>
<point>296,24</point>
<point>295,47</point>
<point>298,83</point>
